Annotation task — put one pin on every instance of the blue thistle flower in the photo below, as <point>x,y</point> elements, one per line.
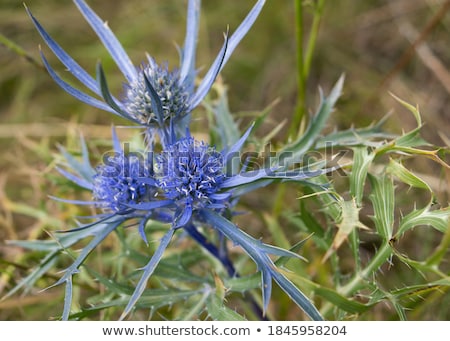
<point>175,89</point>
<point>191,173</point>
<point>122,187</point>
<point>191,185</point>
<point>117,185</point>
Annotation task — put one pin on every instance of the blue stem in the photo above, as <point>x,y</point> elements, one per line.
<point>201,239</point>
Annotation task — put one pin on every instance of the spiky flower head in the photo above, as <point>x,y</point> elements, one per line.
<point>118,184</point>
<point>172,93</point>
<point>191,172</point>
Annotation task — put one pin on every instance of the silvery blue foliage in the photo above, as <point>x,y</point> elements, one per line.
<point>186,184</point>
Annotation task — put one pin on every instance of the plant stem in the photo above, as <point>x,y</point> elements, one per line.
<point>227,264</point>
<point>8,43</point>
<point>304,59</point>
<point>204,242</point>
<point>301,93</point>
<point>318,11</point>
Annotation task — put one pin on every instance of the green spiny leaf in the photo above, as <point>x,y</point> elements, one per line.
<point>361,162</point>
<point>382,198</point>
<point>350,306</point>
<point>295,150</point>
<point>368,136</point>
<point>242,284</point>
<point>438,219</point>
<point>219,312</point>
<point>405,175</point>
<point>349,222</point>
<point>228,129</point>
<point>412,109</point>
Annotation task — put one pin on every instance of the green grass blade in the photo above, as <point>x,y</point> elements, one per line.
<point>28,282</point>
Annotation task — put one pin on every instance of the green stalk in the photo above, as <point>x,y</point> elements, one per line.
<point>358,280</point>
<point>318,11</point>
<point>8,43</point>
<point>301,86</point>
<point>300,106</point>
<point>304,59</point>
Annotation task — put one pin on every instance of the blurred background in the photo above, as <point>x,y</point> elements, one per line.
<point>368,41</point>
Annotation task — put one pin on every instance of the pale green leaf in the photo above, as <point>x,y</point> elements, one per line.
<point>438,219</point>
<point>219,312</point>
<point>412,109</point>
<point>350,306</point>
<point>382,198</point>
<point>349,222</point>
<point>371,136</point>
<point>228,129</point>
<point>296,149</point>
<point>216,307</point>
<point>405,175</point>
<point>361,162</point>
<point>244,283</point>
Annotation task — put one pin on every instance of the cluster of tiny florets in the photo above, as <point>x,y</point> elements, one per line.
<point>190,171</point>
<point>117,184</point>
<point>173,95</point>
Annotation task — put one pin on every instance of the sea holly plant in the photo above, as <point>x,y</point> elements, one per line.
<point>188,182</point>
<point>152,194</point>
